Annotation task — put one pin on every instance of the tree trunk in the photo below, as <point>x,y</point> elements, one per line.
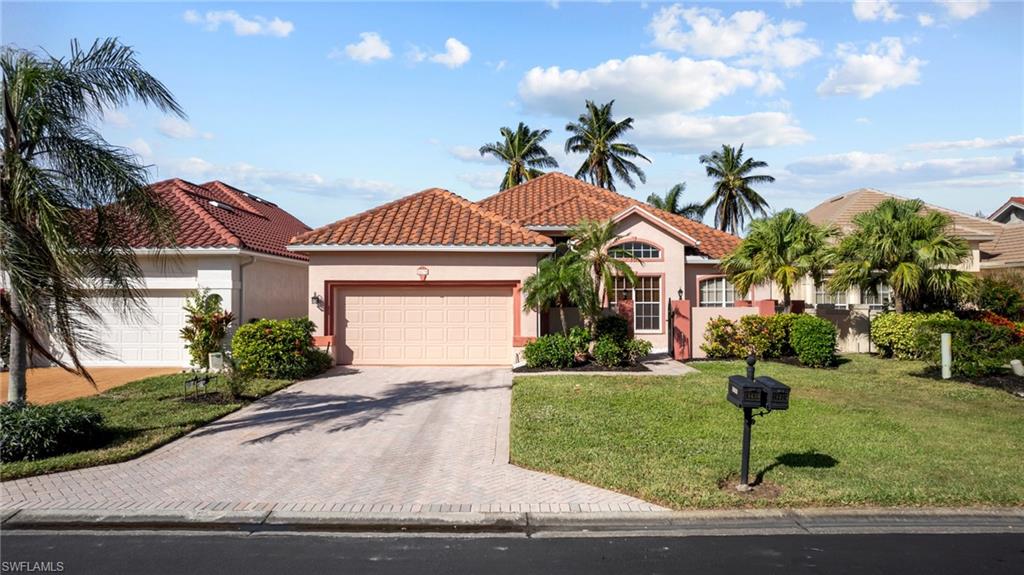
<point>786,300</point>
<point>898,303</point>
<point>19,355</point>
<point>561,317</point>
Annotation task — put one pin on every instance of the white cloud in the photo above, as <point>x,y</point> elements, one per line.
<point>925,20</point>
<point>640,85</point>
<point>254,26</point>
<point>749,35</point>
<point>871,166</point>
<point>870,10</point>
<point>470,154</point>
<point>455,54</point>
<point>116,118</point>
<point>863,120</point>
<point>793,3</point>
<point>486,181</point>
<point>142,148</point>
<point>180,129</point>
<point>884,66</point>
<point>972,144</point>
<point>677,132</point>
<point>415,55</point>
<point>963,9</point>
<point>500,65</point>
<point>369,48</point>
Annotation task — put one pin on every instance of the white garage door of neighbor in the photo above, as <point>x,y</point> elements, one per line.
<point>424,326</point>
<point>144,340</point>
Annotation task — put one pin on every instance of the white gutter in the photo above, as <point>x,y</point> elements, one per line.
<point>415,248</point>
<point>215,252</point>
<point>701,260</point>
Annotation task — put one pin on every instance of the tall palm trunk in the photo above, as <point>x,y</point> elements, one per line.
<point>16,384</point>
<point>561,318</point>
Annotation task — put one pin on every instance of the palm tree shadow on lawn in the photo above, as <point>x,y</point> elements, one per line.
<point>810,458</point>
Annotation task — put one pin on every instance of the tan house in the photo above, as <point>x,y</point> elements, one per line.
<point>1006,252</point>
<point>433,278</point>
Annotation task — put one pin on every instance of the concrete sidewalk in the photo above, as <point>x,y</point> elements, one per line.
<point>533,524</point>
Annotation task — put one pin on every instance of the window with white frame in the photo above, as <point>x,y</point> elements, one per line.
<point>717,292</point>
<point>638,250</point>
<point>878,296</point>
<point>823,296</point>
<point>646,296</point>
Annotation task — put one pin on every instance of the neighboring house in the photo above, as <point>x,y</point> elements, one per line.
<point>1006,252</point>
<point>433,278</point>
<point>229,241</point>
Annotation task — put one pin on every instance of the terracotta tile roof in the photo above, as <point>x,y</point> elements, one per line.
<point>433,217</point>
<point>1007,250</point>
<point>840,211</point>
<point>556,199</point>
<point>218,215</point>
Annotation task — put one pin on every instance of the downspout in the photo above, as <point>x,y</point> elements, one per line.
<point>241,288</point>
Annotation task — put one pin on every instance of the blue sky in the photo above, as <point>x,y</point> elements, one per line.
<point>331,108</point>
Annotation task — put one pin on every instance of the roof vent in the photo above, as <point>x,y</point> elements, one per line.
<point>837,198</point>
<point>217,204</point>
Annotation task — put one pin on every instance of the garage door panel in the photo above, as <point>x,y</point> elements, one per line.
<point>424,325</point>
<point>151,338</point>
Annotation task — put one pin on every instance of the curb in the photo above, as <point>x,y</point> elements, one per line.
<point>675,523</point>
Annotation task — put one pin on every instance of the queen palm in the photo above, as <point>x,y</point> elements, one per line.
<point>559,279</point>
<point>782,249</point>
<point>591,241</point>
<point>910,250</point>
<point>670,203</point>
<point>734,199</point>
<point>597,135</point>
<point>67,197</point>
<point>521,150</point>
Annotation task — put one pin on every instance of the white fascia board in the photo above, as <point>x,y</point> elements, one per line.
<point>1004,208</point>
<point>416,248</point>
<point>215,252</point>
<point>701,260</point>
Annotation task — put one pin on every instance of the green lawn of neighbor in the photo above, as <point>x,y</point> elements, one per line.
<point>871,432</point>
<point>142,416</point>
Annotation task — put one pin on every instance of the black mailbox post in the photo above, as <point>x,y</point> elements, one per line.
<point>749,393</point>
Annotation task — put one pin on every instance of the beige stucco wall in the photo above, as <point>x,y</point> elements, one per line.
<point>671,267</point>
<point>274,289</point>
<point>401,266</point>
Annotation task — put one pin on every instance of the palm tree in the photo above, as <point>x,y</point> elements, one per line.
<point>67,198</point>
<point>522,152</point>
<point>913,252</point>
<point>783,249</point>
<point>590,241</point>
<point>595,134</point>
<point>736,200</point>
<point>670,203</point>
<point>560,278</point>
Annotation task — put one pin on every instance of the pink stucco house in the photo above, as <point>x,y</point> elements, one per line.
<point>433,278</point>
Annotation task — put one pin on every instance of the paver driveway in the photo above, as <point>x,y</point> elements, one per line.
<point>374,439</point>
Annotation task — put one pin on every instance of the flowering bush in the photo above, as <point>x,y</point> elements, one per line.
<point>205,327</point>
<point>721,339</point>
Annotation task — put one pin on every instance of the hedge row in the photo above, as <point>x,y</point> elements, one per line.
<point>811,339</point>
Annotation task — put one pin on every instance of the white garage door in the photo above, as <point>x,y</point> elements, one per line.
<point>424,326</point>
<point>144,341</point>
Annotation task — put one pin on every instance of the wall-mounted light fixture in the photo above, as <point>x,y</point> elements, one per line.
<point>317,301</point>
<point>680,292</point>
<point>423,272</point>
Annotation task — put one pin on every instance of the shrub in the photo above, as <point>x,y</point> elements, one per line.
<point>205,327</point>
<point>608,353</point>
<point>1000,321</point>
<point>765,336</point>
<point>978,348</point>
<point>895,334</point>
<point>814,341</point>
<point>36,431</point>
<point>721,339</point>
<point>278,349</point>
<point>1001,297</point>
<point>613,326</point>
<point>637,349</point>
<point>579,339</point>
<point>553,351</point>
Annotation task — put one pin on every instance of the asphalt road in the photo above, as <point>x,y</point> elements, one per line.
<point>110,553</point>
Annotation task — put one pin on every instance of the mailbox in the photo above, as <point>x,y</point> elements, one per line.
<point>744,392</point>
<point>776,393</point>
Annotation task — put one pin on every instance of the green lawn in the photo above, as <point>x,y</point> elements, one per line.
<point>872,432</point>
<point>142,416</point>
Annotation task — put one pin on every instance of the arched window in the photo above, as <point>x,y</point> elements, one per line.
<point>717,292</point>
<point>639,250</point>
